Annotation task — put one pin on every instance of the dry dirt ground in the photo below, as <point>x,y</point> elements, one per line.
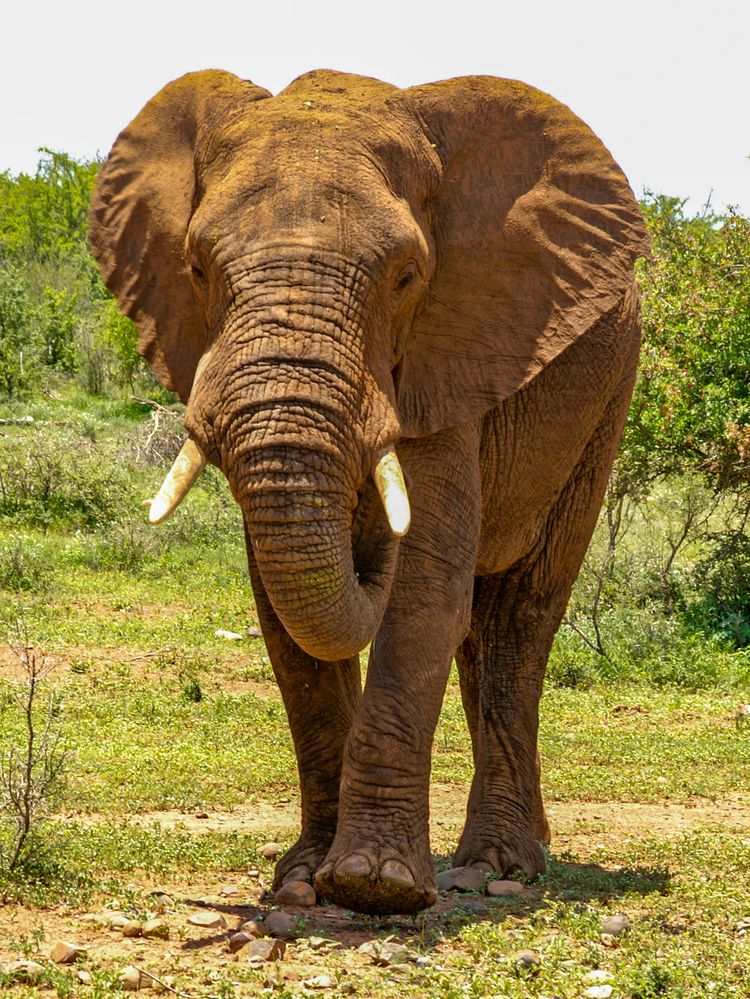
<point>200,955</point>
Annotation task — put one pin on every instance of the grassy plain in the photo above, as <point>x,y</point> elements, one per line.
<point>181,767</point>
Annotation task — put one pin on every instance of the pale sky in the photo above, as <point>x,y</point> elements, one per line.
<point>665,84</point>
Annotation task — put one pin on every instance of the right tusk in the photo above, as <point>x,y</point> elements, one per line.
<point>390,482</point>
<point>187,466</point>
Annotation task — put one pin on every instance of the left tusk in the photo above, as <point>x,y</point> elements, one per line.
<point>390,482</point>
<point>187,466</point>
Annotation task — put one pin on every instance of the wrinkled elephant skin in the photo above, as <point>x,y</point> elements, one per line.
<point>434,285</point>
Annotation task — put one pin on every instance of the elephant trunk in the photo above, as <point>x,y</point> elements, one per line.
<point>303,425</point>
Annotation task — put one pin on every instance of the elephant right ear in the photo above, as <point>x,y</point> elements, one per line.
<point>144,197</point>
<point>536,233</point>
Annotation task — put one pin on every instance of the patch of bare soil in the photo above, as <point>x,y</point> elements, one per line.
<point>576,825</point>
<point>196,957</point>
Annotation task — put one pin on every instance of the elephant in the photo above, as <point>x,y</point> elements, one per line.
<point>405,326</point>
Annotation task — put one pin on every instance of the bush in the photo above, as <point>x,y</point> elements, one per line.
<point>723,579</point>
<point>22,563</point>
<point>60,479</point>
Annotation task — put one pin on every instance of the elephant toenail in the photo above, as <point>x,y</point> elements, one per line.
<point>394,870</point>
<point>355,864</point>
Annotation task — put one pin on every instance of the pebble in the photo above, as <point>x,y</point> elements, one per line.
<point>614,926</point>
<point>130,978</point>
<point>599,992</point>
<point>253,873</point>
<point>239,940</point>
<point>266,950</point>
<point>270,851</point>
<point>505,889</point>
<point>155,929</point>
<point>67,953</point>
<point>296,893</point>
<point>319,982</point>
<point>131,928</point>
<point>24,971</point>
<point>527,959</point>
<point>84,978</point>
<point>598,975</point>
<point>461,879</point>
<point>231,636</point>
<point>280,924</point>
<point>254,928</point>
<point>211,920</point>
<point>385,953</point>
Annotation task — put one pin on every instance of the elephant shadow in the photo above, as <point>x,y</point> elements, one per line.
<point>567,882</point>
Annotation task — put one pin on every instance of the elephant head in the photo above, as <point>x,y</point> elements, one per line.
<point>322,273</point>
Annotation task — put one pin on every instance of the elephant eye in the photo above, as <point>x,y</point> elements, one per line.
<point>196,270</point>
<point>407,276</point>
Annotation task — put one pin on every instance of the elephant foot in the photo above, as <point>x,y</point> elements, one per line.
<point>303,859</point>
<point>366,878</point>
<point>503,851</point>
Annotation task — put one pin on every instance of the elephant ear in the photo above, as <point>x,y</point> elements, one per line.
<point>536,233</point>
<point>145,195</point>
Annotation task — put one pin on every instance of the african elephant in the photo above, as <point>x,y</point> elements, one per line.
<point>344,281</point>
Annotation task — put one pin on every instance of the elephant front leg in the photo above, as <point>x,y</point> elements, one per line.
<point>380,860</point>
<point>321,699</point>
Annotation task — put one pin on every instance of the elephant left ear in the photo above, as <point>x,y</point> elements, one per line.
<point>536,233</point>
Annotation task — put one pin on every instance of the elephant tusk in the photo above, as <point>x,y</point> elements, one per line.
<point>187,466</point>
<point>390,482</point>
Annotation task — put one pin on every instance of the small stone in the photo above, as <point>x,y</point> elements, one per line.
<point>423,962</point>
<point>66,953</point>
<point>201,815</point>
<point>231,636</point>
<point>296,893</point>
<point>461,879</point>
<point>24,971</point>
<point>385,953</point>
<point>253,873</point>
<point>598,975</point>
<point>270,851</point>
<point>84,978</point>
<point>115,920</point>
<point>254,928</point>
<point>254,633</point>
<point>259,951</point>
<point>505,889</point>
<point>319,982</point>
<point>155,929</point>
<point>317,943</point>
<point>599,992</point>
<point>209,920</point>
<point>130,978</point>
<point>229,891</point>
<point>131,928</point>
<point>527,959</point>
<point>614,926</point>
<point>239,940</point>
<point>280,924</point>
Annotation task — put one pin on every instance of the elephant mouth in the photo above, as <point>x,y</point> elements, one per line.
<point>190,462</point>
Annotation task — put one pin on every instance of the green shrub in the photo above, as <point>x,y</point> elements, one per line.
<point>723,580</point>
<point>22,563</point>
<point>58,478</point>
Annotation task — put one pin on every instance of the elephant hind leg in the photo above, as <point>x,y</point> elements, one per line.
<point>515,615</point>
